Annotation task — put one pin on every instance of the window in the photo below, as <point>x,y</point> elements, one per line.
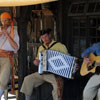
<point>82,8</point>
<point>91,7</point>
<point>84,33</point>
<point>77,8</point>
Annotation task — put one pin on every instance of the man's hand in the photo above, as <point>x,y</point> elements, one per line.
<point>77,67</point>
<point>5,32</point>
<point>86,60</point>
<point>36,62</point>
<point>1,33</point>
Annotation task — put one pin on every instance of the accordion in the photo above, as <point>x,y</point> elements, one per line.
<point>57,63</point>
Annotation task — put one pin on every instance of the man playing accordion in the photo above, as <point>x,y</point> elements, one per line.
<point>35,79</point>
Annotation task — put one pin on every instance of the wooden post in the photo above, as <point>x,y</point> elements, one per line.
<point>22,54</point>
<point>22,64</point>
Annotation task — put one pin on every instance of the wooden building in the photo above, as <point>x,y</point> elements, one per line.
<point>75,23</point>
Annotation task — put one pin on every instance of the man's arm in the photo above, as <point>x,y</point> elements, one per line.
<point>37,61</point>
<point>12,42</point>
<point>1,34</point>
<point>88,51</point>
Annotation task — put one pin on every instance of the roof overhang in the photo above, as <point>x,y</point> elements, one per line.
<point>10,3</point>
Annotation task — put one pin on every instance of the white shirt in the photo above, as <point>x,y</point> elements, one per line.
<point>7,46</point>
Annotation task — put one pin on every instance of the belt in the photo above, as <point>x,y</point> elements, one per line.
<point>4,53</point>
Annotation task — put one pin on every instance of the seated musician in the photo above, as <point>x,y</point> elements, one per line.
<point>92,88</point>
<point>35,79</point>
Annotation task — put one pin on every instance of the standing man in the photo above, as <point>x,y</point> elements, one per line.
<point>92,88</point>
<point>9,43</point>
<point>35,79</point>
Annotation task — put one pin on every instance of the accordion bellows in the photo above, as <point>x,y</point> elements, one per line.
<point>57,63</point>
